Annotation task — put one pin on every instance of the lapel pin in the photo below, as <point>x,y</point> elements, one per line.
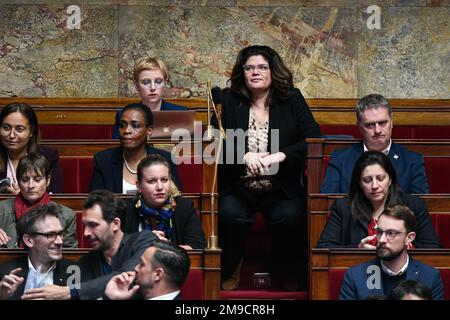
<point>395,156</point>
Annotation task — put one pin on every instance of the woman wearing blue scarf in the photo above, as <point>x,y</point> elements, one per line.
<point>160,208</point>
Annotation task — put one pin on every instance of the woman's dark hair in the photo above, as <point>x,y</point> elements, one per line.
<point>34,162</point>
<point>412,287</point>
<point>282,80</point>
<point>28,113</point>
<point>148,115</point>
<point>361,207</point>
<point>149,161</point>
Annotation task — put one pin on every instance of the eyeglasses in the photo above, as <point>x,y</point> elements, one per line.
<point>5,128</point>
<point>390,234</point>
<point>51,236</point>
<point>260,67</point>
<point>157,83</point>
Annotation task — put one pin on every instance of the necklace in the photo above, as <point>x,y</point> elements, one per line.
<point>127,166</point>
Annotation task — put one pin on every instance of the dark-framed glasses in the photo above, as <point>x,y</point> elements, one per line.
<point>390,234</point>
<point>260,67</point>
<point>51,236</point>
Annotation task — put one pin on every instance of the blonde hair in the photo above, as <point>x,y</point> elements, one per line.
<point>149,63</point>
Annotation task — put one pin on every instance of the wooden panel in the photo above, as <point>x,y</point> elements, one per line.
<point>322,260</point>
<point>326,111</point>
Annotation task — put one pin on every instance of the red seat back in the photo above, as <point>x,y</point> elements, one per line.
<point>335,278</point>
<point>193,286</point>
<point>191,176</point>
<point>445,274</point>
<point>438,174</point>
<point>82,240</point>
<point>77,174</point>
<point>72,131</point>
<point>441,223</point>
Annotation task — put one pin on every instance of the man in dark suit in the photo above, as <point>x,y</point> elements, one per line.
<point>374,119</point>
<point>395,232</point>
<point>114,251</point>
<point>41,232</point>
<point>159,275</point>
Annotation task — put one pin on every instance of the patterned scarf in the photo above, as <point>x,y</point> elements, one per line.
<point>162,216</point>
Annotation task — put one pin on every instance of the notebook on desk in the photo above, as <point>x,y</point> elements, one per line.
<point>166,122</point>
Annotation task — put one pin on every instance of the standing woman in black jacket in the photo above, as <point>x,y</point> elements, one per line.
<point>266,171</point>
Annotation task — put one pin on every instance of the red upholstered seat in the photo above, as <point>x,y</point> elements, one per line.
<point>264,294</point>
<point>77,174</point>
<point>438,174</point>
<point>335,278</point>
<point>82,241</point>
<point>398,132</point>
<point>193,286</point>
<point>97,131</point>
<point>441,223</point>
<point>445,274</point>
<point>431,132</point>
<point>191,176</point>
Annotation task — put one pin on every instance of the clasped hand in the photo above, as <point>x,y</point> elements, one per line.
<point>258,163</point>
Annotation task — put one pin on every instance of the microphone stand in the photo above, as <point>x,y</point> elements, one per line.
<point>213,239</point>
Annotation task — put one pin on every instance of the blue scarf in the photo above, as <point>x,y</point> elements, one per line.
<point>162,215</point>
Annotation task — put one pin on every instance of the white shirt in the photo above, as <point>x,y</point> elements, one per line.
<point>10,172</point>
<point>36,279</point>
<point>391,273</point>
<point>128,188</point>
<point>385,151</point>
<point>167,296</point>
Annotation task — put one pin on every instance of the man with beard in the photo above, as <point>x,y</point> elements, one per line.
<point>395,231</point>
<point>374,120</point>
<point>42,235</point>
<point>159,275</point>
<point>114,251</point>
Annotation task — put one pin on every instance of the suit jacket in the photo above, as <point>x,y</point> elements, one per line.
<point>295,123</point>
<point>409,166</point>
<point>131,248</point>
<point>165,106</point>
<point>343,231</point>
<point>354,286</point>
<point>67,217</point>
<point>60,273</point>
<point>108,168</point>
<point>187,228</point>
<point>56,181</point>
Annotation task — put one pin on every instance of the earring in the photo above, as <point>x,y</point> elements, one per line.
<point>138,202</point>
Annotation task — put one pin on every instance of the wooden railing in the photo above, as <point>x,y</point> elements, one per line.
<point>326,111</point>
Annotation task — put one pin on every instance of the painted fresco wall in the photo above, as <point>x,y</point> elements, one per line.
<point>327,45</point>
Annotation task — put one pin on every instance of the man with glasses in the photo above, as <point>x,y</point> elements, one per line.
<point>42,235</point>
<point>374,120</point>
<point>395,232</point>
